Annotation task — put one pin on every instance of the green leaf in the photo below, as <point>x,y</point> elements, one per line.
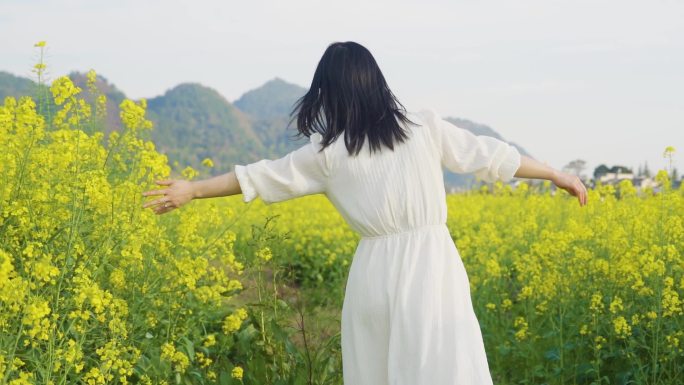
<point>552,355</point>
<point>189,348</point>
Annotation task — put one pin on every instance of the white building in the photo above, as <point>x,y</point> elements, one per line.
<point>615,177</point>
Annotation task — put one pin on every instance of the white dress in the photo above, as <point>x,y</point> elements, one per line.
<point>407,316</point>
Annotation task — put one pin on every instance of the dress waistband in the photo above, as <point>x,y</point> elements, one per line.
<point>430,226</point>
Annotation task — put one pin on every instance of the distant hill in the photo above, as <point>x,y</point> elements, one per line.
<point>268,108</point>
<point>11,85</point>
<point>193,122</point>
<point>274,99</point>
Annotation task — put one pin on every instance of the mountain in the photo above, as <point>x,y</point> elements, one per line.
<point>193,122</point>
<point>11,85</point>
<point>274,99</point>
<point>268,109</point>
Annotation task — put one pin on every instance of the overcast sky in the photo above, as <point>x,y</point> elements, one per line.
<point>599,80</point>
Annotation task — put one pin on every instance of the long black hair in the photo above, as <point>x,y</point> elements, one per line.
<point>349,94</point>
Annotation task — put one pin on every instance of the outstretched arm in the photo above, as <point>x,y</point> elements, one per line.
<point>218,186</point>
<point>179,192</point>
<point>493,159</point>
<point>300,172</point>
<point>533,169</point>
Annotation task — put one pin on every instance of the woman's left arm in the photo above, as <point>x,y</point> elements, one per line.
<point>532,168</point>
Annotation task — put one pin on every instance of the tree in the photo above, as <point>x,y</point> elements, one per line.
<point>600,171</point>
<point>575,167</point>
<point>620,169</point>
<point>647,172</point>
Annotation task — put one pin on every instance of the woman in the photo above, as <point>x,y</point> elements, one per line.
<point>407,316</point>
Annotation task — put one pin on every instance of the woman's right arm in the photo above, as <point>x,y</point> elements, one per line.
<point>179,192</point>
<point>533,169</point>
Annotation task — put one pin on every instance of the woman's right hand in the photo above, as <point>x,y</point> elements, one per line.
<point>178,193</point>
<point>572,184</point>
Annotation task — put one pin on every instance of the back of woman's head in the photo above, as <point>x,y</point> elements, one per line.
<point>349,95</point>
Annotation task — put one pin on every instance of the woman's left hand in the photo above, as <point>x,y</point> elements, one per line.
<point>178,193</point>
<point>572,184</point>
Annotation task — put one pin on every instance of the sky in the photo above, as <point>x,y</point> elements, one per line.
<point>598,80</point>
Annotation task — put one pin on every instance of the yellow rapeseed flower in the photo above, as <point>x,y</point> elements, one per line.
<point>91,77</point>
<point>203,360</point>
<point>596,303</point>
<point>673,341</point>
<point>264,254</point>
<point>599,341</point>
<point>616,305</point>
<point>237,372</point>
<point>207,162</point>
<point>209,341</point>
<point>584,329</point>
<point>521,324</point>
<point>671,303</point>
<point>622,328</point>
<point>23,379</point>
<point>233,322</point>
<point>179,360</point>
<point>62,89</point>
<point>132,114</point>
<point>36,319</point>
<point>189,173</point>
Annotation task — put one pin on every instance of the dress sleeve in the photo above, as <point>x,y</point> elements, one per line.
<point>462,152</point>
<point>303,171</point>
